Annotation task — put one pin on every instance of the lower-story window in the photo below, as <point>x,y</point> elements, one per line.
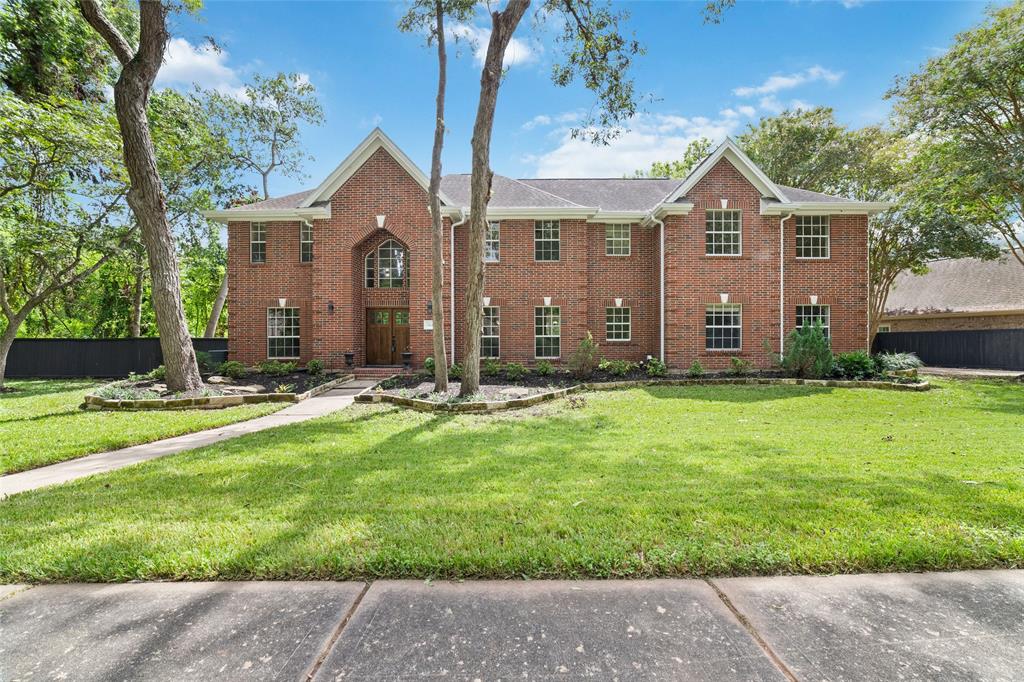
<point>617,324</point>
<point>723,327</point>
<point>490,334</point>
<point>807,315</point>
<point>547,332</point>
<point>282,333</point>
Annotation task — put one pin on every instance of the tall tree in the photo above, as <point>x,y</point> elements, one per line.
<point>263,132</point>
<point>429,15</point>
<point>967,105</point>
<point>695,152</point>
<point>61,203</point>
<point>146,195</point>
<point>594,50</point>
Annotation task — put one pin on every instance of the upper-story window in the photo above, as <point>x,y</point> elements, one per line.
<point>387,266</point>
<point>547,240</point>
<point>722,233</point>
<point>617,239</point>
<point>257,242</point>
<point>812,236</point>
<point>492,242</point>
<point>305,242</point>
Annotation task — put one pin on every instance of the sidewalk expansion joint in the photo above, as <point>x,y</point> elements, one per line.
<point>315,668</point>
<point>752,631</point>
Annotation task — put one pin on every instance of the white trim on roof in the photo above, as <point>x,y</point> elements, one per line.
<point>825,207</point>
<point>354,161</point>
<point>242,215</point>
<point>730,151</point>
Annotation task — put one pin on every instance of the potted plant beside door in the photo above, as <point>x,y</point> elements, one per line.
<point>407,358</point>
<point>350,358</point>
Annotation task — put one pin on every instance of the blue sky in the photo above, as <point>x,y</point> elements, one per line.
<point>709,80</point>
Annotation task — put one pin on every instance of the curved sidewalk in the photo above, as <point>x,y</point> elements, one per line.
<point>101,462</point>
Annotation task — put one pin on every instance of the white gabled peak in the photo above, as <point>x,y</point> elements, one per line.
<point>377,139</point>
<point>731,151</point>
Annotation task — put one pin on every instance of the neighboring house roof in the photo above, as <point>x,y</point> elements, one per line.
<point>959,286</point>
<point>639,199</point>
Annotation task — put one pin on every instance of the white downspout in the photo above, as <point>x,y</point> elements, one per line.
<point>451,259</point>
<point>782,284</point>
<point>661,296</point>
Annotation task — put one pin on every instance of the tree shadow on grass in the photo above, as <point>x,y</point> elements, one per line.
<point>735,393</point>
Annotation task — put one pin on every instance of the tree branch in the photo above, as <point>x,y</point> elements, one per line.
<point>94,15</point>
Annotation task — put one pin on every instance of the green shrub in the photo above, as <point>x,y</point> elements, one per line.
<point>739,367</point>
<point>696,370</point>
<point>204,360</point>
<point>544,368</point>
<point>120,391</point>
<point>617,368</point>
<point>276,368</point>
<point>315,367</point>
<point>232,369</point>
<point>491,367</point>
<point>514,371</point>
<point>891,362</point>
<point>285,388</point>
<point>583,361</point>
<point>656,368</point>
<point>455,371</point>
<point>158,373</point>
<point>808,354</point>
<point>857,364</point>
<point>428,364</point>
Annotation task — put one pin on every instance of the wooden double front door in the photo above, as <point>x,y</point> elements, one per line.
<point>387,335</point>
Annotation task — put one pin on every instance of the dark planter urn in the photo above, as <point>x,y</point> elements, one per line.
<point>350,359</point>
<point>407,359</point>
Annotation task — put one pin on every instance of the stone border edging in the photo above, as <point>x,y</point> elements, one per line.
<point>516,403</point>
<point>215,402</point>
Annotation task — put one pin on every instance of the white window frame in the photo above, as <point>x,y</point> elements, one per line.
<point>260,229</point>
<point>884,328</point>
<point>717,217</point>
<point>538,311</point>
<point>305,241</point>
<point>373,281</point>
<point>826,319</point>
<point>720,308</point>
<point>613,243</point>
<point>554,226</point>
<point>621,325</point>
<point>495,327</point>
<point>814,241</point>
<point>297,335</point>
<point>492,245</point>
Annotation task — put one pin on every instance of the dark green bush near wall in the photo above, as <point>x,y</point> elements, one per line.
<point>857,364</point>
<point>808,353</point>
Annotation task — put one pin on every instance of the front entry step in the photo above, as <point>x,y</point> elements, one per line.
<point>381,372</point>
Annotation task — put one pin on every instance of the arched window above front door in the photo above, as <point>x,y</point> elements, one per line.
<point>387,266</point>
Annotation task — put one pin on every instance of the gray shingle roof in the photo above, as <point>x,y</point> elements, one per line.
<point>797,194</point>
<point>505,193</point>
<point>961,285</point>
<point>277,203</point>
<point>609,194</point>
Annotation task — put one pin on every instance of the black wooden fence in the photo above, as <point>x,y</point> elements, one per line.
<point>983,348</point>
<point>65,358</point>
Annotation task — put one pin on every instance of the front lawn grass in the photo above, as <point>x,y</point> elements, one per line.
<point>40,423</point>
<point>656,481</point>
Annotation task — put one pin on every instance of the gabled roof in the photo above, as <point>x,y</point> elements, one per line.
<point>729,150</point>
<point>959,286</point>
<point>354,161</point>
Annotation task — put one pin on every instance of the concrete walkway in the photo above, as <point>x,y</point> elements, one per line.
<point>62,472</point>
<point>937,626</point>
<point>964,373</point>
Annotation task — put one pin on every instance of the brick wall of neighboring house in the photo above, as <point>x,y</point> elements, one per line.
<point>583,283</point>
<point>939,324</point>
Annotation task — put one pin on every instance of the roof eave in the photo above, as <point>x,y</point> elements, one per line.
<point>820,207</point>
<point>242,215</point>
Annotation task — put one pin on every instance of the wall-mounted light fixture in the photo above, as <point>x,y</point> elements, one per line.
<point>330,307</point>
<point>282,302</point>
<point>618,303</point>
<point>547,300</point>
<point>724,298</point>
<point>380,221</point>
<point>430,307</point>
<point>814,300</point>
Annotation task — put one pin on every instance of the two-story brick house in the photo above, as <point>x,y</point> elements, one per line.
<point>723,263</point>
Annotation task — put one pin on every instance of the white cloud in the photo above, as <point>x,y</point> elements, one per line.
<point>800,104</point>
<point>538,120</point>
<point>771,104</point>
<point>649,138</point>
<point>186,64</point>
<point>518,51</point>
<point>778,83</point>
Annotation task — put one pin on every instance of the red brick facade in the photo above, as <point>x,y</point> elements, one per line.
<point>332,299</point>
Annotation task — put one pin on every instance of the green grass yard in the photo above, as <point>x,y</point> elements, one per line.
<point>647,482</point>
<point>40,423</point>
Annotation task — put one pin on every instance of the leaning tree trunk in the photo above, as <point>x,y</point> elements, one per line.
<point>218,308</point>
<point>6,341</point>
<point>146,196</point>
<point>503,25</point>
<point>135,326</point>
<point>437,228</point>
